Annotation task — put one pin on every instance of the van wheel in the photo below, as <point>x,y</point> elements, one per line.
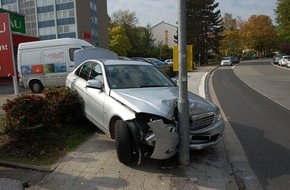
<point>124,142</point>
<point>36,86</point>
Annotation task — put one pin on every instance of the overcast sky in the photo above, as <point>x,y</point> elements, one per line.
<point>155,11</point>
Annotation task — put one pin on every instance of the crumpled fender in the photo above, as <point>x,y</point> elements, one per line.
<point>166,141</point>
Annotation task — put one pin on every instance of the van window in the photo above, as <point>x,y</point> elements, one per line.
<point>71,53</point>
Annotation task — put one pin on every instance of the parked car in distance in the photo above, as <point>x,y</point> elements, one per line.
<point>284,60</point>
<point>124,58</point>
<point>156,62</point>
<point>136,104</point>
<point>235,59</point>
<point>226,61</point>
<point>142,59</point>
<point>276,58</point>
<point>169,61</point>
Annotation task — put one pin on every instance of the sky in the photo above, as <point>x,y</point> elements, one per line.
<point>156,11</point>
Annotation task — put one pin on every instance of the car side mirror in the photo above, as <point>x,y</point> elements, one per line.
<point>95,84</point>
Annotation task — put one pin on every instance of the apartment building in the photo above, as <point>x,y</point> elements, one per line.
<point>52,19</point>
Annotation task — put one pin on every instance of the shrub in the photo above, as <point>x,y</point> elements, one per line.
<point>24,112</point>
<point>65,105</point>
<point>168,70</point>
<point>28,111</point>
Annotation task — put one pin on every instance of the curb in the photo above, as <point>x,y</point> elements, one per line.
<point>26,166</point>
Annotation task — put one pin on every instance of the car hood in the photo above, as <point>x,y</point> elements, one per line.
<point>159,101</point>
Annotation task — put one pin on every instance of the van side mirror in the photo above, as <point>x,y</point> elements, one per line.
<point>93,83</point>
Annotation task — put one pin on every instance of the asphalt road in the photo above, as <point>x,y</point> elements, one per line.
<point>255,99</point>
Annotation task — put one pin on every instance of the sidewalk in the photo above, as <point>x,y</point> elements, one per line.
<point>94,165</point>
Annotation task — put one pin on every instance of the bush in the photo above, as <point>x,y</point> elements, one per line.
<point>65,105</point>
<point>168,70</point>
<point>28,111</point>
<point>24,112</point>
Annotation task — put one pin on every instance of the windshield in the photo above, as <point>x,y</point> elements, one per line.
<point>136,76</point>
<point>227,58</point>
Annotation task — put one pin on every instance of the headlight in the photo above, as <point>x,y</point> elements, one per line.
<point>218,115</point>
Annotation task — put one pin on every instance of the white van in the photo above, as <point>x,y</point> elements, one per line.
<point>47,63</point>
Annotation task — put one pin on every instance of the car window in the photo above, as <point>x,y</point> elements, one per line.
<point>136,76</point>
<point>84,70</point>
<point>96,72</point>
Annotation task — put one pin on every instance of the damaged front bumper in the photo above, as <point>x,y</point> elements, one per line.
<point>166,140</point>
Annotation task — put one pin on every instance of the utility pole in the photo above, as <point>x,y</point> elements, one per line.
<point>183,103</point>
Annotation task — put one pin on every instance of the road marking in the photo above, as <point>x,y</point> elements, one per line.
<point>201,88</point>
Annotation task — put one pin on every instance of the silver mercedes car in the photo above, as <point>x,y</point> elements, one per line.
<point>136,104</point>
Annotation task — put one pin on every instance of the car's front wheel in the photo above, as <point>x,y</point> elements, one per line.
<point>124,142</point>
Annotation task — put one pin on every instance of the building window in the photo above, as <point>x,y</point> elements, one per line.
<point>65,6</point>
<point>66,28</point>
<point>10,7</point>
<point>47,31</point>
<point>5,2</point>
<point>41,3</point>
<point>47,23</point>
<point>45,9</point>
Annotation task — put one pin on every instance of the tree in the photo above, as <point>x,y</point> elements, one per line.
<point>140,38</point>
<point>229,22</point>
<point>143,41</point>
<point>119,41</point>
<point>124,18</point>
<point>204,26</point>
<point>259,33</point>
<point>230,44</point>
<point>283,19</point>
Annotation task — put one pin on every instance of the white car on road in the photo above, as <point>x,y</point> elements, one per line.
<point>285,60</point>
<point>227,61</point>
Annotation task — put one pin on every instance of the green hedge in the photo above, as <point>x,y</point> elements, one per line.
<point>28,111</point>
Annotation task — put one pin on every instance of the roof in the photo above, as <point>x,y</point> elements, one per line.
<point>53,42</point>
<point>124,62</point>
<point>162,22</point>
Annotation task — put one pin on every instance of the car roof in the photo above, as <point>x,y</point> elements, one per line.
<point>123,62</point>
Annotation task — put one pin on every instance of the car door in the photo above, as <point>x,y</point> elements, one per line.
<point>95,98</point>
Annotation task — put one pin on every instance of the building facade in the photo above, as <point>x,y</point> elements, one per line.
<point>52,19</point>
<point>163,33</point>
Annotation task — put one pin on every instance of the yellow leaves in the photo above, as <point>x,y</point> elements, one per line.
<point>119,41</point>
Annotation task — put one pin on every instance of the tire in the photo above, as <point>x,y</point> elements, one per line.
<point>124,142</point>
<point>36,86</point>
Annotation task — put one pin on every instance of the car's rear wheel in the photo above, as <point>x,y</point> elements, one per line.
<point>36,86</point>
<point>124,142</point>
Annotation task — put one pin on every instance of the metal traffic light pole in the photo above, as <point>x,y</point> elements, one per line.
<point>183,103</point>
